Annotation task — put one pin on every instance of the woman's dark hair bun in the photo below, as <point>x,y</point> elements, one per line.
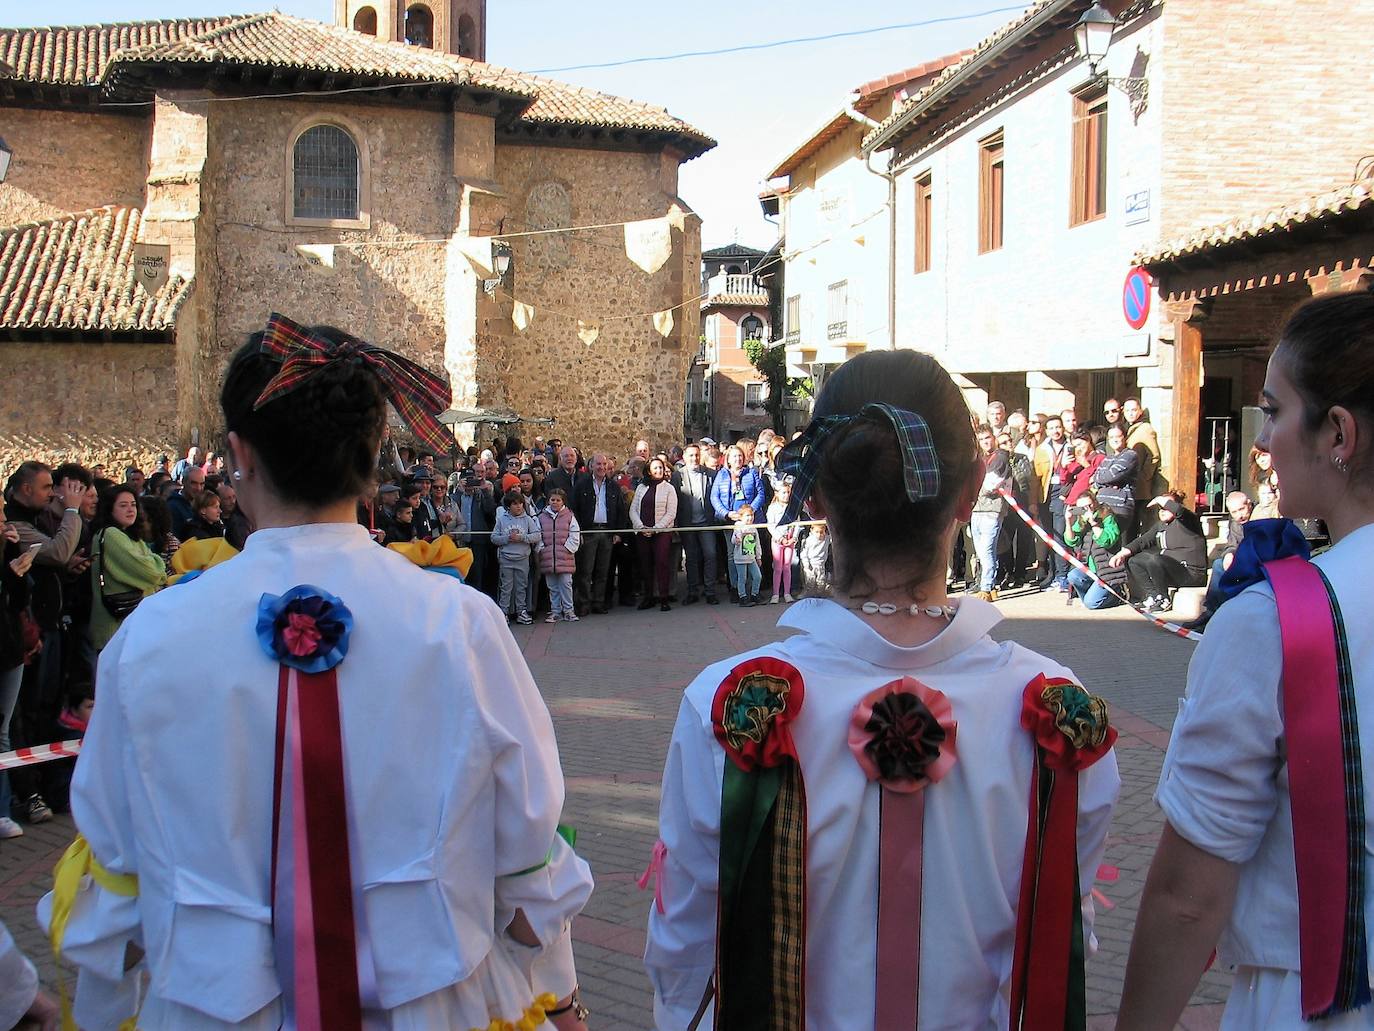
<point>319,442</point>
<point>862,478</point>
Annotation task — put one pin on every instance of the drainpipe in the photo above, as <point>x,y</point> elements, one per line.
<point>891,178</point>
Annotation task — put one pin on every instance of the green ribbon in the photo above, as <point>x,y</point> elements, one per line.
<point>567,832</point>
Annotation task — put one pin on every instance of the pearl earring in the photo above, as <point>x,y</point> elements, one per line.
<point>238,474</point>
<point>1340,463</point>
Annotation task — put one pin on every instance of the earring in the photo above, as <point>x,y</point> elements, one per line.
<point>1340,463</point>
<point>238,474</point>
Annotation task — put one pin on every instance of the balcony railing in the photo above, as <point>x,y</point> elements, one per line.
<point>723,283</point>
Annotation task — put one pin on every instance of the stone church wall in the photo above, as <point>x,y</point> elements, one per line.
<point>65,161</point>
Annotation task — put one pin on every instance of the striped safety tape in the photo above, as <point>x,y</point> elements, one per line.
<point>39,754</point>
<point>1073,560</point>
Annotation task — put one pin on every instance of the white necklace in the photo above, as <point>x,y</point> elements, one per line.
<point>887,608</point>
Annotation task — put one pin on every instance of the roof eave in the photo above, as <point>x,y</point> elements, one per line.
<point>881,138</point>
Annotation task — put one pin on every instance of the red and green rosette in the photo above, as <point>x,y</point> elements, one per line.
<point>1071,732</point>
<point>903,736</point>
<point>761,922</point>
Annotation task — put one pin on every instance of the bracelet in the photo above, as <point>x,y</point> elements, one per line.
<point>574,1004</point>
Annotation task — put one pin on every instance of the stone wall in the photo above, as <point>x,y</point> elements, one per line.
<point>64,161</point>
<point>390,292</point>
<point>630,381</point>
<point>91,403</point>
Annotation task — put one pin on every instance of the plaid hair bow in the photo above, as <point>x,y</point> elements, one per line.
<point>801,459</point>
<point>417,394</point>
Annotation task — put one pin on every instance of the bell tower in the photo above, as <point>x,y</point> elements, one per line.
<point>452,26</point>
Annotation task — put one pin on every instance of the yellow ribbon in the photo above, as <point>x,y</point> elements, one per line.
<point>196,556</point>
<point>76,863</point>
<point>441,553</point>
<point>529,1020</point>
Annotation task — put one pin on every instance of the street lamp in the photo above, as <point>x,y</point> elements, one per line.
<point>500,263</point>
<point>1092,34</point>
<point>5,155</point>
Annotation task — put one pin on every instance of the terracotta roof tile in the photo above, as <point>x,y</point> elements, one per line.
<point>76,55</point>
<point>757,300</point>
<point>76,272</point>
<point>1350,198</point>
<point>100,54</point>
<point>970,56</point>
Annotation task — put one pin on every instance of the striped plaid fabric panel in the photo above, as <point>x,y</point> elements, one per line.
<point>416,393</point>
<point>788,1011</point>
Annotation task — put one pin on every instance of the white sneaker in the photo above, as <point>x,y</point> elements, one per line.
<point>571,617</point>
<point>10,829</point>
<point>788,598</point>
<point>552,617</point>
<point>773,600</point>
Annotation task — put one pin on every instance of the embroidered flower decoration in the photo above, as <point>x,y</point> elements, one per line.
<point>306,628</point>
<point>751,710</point>
<point>1069,724</point>
<point>903,735</point>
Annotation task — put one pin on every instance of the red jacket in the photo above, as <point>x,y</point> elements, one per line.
<point>1081,476</point>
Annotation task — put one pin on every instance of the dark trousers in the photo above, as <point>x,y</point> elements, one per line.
<point>654,571</point>
<point>593,567</point>
<point>699,547</point>
<point>1055,523</point>
<point>40,701</point>
<point>1152,574</point>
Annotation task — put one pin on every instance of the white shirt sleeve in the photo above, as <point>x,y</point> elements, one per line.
<point>102,923</point>
<point>1218,787</point>
<point>18,981</point>
<point>535,870</point>
<point>680,955</point>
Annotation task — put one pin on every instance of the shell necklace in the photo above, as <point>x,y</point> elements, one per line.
<point>887,608</point>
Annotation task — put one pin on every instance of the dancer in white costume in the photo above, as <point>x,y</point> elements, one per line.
<point>459,895</point>
<point>1258,749</point>
<point>889,699</point>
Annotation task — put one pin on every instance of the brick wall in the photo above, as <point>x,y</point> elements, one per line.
<point>1262,103</point>
<point>92,403</point>
<point>70,162</point>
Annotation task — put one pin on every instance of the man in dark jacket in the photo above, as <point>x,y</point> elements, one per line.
<point>565,477</point>
<point>599,506</point>
<point>1238,507</point>
<point>1171,554</point>
<point>694,509</point>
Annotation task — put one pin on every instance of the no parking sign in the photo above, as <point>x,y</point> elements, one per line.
<point>1135,298</point>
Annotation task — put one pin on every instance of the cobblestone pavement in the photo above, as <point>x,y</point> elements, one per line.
<point>613,684</point>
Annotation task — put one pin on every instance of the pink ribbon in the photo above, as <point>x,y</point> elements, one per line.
<point>654,872</point>
<point>900,850</point>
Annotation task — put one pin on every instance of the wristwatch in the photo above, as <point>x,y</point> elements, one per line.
<point>575,1004</point>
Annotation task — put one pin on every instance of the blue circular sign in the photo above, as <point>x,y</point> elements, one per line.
<point>1135,298</point>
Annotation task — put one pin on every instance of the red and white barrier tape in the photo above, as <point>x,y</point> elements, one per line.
<point>1073,560</point>
<point>39,754</point>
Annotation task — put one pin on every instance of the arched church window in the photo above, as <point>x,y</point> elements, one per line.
<point>326,181</point>
<point>365,21</point>
<point>467,36</point>
<point>419,26</point>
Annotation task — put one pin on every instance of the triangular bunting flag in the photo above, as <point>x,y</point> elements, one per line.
<point>649,243</point>
<point>321,255</point>
<point>677,218</point>
<point>587,331</point>
<point>522,315</point>
<point>663,322</point>
<point>477,249</point>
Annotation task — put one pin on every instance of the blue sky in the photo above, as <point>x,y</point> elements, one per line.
<point>757,104</point>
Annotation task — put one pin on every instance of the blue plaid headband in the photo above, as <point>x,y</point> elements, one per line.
<point>801,459</point>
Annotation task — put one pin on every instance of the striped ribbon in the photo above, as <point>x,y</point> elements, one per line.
<point>39,754</point>
<point>1073,560</point>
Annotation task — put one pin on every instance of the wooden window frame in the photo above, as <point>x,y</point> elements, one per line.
<point>1088,182</point>
<point>364,219</point>
<point>925,210</point>
<point>992,192</point>
<point>792,308</point>
<point>837,310</point>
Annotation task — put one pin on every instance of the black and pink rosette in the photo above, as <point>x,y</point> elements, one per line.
<point>903,736</point>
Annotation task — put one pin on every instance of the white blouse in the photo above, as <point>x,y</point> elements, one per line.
<point>1224,785</point>
<point>975,823</point>
<point>453,784</point>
